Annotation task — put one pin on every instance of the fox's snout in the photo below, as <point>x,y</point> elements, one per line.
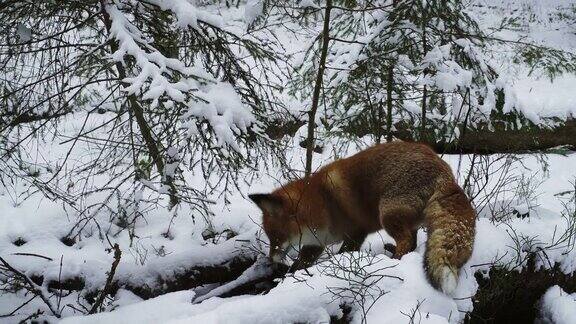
<point>278,258</point>
<point>276,254</point>
<point>283,253</point>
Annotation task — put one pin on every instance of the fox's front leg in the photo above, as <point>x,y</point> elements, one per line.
<point>353,242</point>
<point>307,256</point>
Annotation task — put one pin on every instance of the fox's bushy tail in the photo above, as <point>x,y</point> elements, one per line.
<point>451,222</point>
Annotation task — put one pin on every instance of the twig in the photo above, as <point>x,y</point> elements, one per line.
<point>105,291</point>
<point>18,308</point>
<point>60,282</point>
<point>33,254</point>
<point>36,314</point>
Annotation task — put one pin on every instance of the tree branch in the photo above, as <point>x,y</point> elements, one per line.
<point>31,286</point>
<point>136,109</point>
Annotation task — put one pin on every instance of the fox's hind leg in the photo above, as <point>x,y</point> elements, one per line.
<point>407,244</point>
<point>401,221</point>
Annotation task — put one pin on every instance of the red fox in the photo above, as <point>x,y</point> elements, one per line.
<point>396,186</point>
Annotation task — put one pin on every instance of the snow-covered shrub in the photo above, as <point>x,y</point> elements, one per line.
<point>124,113</point>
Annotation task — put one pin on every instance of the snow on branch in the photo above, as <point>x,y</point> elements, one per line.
<point>159,77</point>
<point>153,65</point>
<point>187,14</point>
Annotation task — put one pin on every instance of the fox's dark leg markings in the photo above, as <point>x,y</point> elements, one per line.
<point>308,255</point>
<point>353,242</point>
<point>390,248</point>
<point>414,242</point>
<point>404,243</point>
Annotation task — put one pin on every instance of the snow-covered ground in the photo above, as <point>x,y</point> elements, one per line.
<point>311,298</point>
<point>304,298</point>
<point>532,92</point>
<point>558,306</point>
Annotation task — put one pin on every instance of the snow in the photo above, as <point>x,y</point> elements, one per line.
<point>310,297</point>
<point>558,307</point>
<point>303,298</point>
<point>42,223</point>
<point>308,4</point>
<point>542,97</point>
<point>214,101</point>
<point>259,269</point>
<point>24,33</point>
<point>187,13</point>
<point>223,108</point>
<point>252,10</point>
<point>176,262</point>
<point>531,92</point>
<point>528,90</point>
<point>149,311</point>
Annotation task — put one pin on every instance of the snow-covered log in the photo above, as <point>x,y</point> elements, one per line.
<point>213,264</point>
<point>480,141</point>
<point>485,141</point>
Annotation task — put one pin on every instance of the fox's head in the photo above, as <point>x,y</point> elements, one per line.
<point>289,225</point>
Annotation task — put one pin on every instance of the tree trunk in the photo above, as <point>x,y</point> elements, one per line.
<point>390,85</point>
<point>425,72</point>
<point>138,112</point>
<point>317,87</point>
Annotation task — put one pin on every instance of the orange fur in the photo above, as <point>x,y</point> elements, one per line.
<point>397,186</point>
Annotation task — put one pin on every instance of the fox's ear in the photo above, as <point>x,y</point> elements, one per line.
<point>267,202</point>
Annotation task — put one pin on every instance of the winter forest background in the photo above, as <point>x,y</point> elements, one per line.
<point>132,131</point>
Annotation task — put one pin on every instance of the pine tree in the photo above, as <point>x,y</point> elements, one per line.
<point>161,87</point>
<point>423,66</point>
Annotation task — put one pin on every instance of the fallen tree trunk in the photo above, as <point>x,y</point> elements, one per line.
<point>193,277</point>
<point>213,264</point>
<point>257,278</point>
<point>480,140</point>
<point>500,140</point>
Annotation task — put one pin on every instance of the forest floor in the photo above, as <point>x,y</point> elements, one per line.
<point>534,206</point>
